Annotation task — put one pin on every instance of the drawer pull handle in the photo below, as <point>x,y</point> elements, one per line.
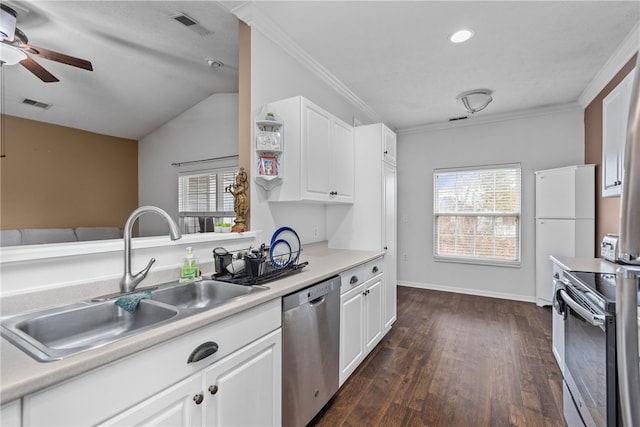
<point>375,269</point>
<point>213,389</point>
<point>202,351</point>
<point>198,398</point>
<point>353,280</point>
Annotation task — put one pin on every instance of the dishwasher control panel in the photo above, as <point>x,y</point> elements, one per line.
<point>316,292</point>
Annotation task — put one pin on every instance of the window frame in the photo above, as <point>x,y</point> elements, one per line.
<point>219,213</point>
<point>516,214</point>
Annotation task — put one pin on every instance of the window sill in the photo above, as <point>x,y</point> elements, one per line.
<point>486,262</point>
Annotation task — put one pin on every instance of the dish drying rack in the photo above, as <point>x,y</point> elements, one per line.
<point>259,267</point>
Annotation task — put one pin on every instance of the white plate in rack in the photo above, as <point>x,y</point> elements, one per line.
<point>289,235</point>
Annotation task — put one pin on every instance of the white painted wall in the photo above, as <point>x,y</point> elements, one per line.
<point>542,139</point>
<point>276,75</point>
<point>207,130</point>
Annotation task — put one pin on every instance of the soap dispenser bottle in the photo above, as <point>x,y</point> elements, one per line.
<point>190,270</point>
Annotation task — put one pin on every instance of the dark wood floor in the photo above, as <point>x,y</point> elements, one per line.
<point>458,361</point>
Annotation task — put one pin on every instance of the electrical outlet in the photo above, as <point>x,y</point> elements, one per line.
<point>405,256</point>
<point>315,231</point>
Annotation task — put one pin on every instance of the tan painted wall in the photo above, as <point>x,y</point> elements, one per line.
<point>607,209</point>
<point>55,176</point>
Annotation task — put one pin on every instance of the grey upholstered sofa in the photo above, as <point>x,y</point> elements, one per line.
<point>34,236</point>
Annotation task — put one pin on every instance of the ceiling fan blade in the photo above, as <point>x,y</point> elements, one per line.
<point>38,70</point>
<point>57,56</point>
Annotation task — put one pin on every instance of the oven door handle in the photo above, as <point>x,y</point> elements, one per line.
<point>593,319</point>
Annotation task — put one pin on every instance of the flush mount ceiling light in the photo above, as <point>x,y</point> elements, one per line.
<point>461,36</point>
<point>475,100</point>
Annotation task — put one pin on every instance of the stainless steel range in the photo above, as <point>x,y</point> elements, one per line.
<point>588,301</point>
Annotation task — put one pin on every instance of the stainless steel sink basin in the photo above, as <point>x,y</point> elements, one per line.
<point>58,332</point>
<point>55,333</point>
<point>202,295</point>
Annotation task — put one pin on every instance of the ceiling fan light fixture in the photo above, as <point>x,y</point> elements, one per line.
<point>475,100</point>
<point>10,55</point>
<point>8,18</point>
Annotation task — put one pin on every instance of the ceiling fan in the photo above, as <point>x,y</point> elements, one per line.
<point>14,48</point>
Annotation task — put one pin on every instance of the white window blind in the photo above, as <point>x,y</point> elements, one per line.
<point>477,214</point>
<point>202,199</point>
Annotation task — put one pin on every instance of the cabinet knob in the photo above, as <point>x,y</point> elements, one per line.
<point>386,152</point>
<point>618,182</point>
<point>198,398</point>
<point>213,389</point>
<point>375,269</point>
<point>353,280</point>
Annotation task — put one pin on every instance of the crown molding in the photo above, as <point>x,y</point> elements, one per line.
<point>249,13</point>
<point>616,61</point>
<point>493,118</point>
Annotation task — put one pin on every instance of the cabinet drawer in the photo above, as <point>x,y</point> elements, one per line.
<point>353,277</point>
<point>375,267</point>
<point>103,392</point>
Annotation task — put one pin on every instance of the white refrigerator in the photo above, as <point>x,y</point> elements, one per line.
<point>565,225</point>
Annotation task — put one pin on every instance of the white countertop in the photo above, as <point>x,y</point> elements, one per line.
<point>20,374</point>
<point>596,265</point>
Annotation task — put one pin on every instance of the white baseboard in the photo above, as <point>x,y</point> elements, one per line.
<point>467,291</point>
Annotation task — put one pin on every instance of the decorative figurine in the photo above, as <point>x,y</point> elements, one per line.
<point>241,203</point>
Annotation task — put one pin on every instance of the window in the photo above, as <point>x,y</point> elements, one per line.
<point>477,214</point>
<point>202,200</point>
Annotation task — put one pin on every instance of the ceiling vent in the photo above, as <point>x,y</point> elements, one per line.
<point>191,24</point>
<point>35,103</point>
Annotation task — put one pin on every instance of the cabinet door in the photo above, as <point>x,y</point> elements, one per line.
<point>175,406</point>
<point>245,388</point>
<point>316,156</point>
<point>351,331</point>
<point>343,161</point>
<point>389,146</point>
<point>389,242</point>
<point>10,414</point>
<point>373,313</point>
<point>615,114</point>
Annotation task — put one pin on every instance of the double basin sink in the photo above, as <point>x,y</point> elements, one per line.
<point>55,333</point>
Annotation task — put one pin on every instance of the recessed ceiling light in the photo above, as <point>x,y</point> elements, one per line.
<point>461,36</point>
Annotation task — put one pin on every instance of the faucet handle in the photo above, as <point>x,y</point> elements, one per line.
<point>142,274</point>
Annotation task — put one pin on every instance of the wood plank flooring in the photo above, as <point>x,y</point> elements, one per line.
<point>457,361</point>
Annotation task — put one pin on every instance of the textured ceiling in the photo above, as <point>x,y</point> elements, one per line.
<point>393,55</point>
<point>148,68</point>
<point>397,58</point>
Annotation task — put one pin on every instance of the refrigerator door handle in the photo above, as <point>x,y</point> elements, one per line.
<point>627,338</point>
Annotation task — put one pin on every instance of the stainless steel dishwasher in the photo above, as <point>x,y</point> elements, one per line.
<point>311,350</point>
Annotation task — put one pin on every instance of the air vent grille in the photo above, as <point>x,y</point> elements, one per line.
<point>191,24</point>
<point>35,103</point>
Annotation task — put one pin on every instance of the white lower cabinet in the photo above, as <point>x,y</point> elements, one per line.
<point>361,323</point>
<point>242,389</point>
<point>158,386</point>
<point>10,414</point>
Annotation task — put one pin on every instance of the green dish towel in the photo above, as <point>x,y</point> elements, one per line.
<point>130,302</point>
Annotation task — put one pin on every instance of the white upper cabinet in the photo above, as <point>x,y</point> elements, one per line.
<point>615,114</point>
<point>318,158</point>
<point>389,146</point>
